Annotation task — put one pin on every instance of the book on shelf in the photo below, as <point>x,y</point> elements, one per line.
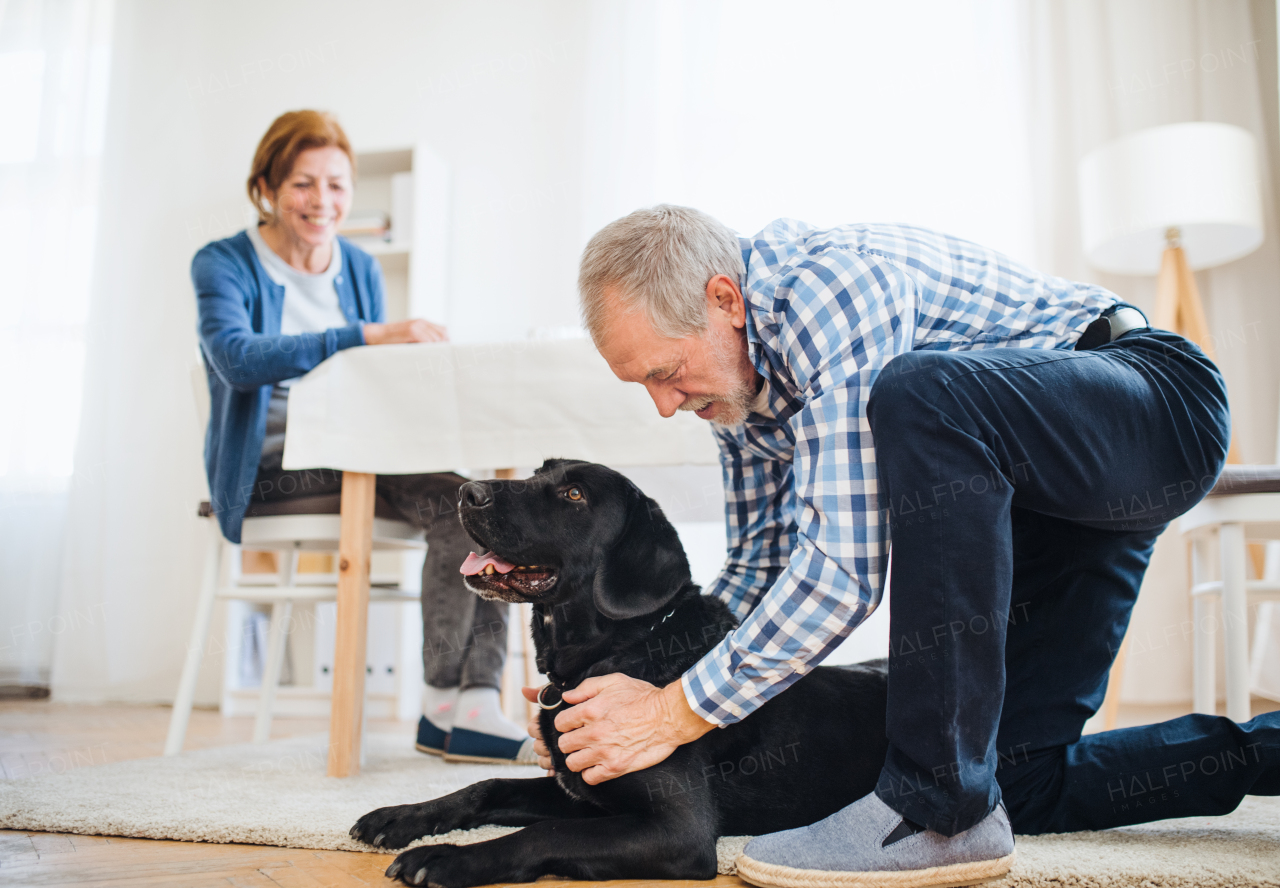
<point>367,226</point>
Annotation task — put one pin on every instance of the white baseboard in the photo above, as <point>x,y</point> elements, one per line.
<point>302,702</point>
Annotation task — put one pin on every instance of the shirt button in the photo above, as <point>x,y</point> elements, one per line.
<point>338,279</point>
<point>735,710</point>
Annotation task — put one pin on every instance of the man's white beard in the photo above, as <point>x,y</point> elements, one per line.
<point>735,404</point>
<point>734,407</point>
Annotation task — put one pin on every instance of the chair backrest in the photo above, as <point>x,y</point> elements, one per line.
<point>200,390</point>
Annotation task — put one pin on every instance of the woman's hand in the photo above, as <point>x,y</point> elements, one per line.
<point>618,724</point>
<point>535,731</point>
<point>413,330</point>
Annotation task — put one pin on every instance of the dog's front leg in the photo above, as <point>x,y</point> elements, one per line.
<point>627,846</point>
<point>502,802</point>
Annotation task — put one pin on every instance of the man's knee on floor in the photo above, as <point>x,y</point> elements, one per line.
<point>1030,786</point>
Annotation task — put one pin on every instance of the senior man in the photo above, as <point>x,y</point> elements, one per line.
<point>1023,439</point>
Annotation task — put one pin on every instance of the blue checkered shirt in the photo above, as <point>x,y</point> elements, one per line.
<point>826,310</point>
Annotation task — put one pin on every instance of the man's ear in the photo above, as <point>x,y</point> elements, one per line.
<point>723,295</point>
<point>645,569</point>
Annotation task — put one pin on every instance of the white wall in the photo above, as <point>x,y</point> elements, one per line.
<point>493,87</point>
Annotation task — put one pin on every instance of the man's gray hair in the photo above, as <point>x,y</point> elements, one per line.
<point>657,260</point>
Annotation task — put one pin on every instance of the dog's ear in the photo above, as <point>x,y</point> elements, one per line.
<point>645,568</point>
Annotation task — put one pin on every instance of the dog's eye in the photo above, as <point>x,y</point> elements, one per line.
<point>574,493</point>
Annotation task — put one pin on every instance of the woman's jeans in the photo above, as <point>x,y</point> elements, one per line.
<point>464,637</point>
<point>1025,490</point>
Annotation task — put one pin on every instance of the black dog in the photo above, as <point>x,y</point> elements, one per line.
<point>611,592</point>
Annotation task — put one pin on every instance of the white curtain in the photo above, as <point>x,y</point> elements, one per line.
<point>53,71</point>
<point>1098,70</point>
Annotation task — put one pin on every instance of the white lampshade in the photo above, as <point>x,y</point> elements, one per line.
<point>1201,178</point>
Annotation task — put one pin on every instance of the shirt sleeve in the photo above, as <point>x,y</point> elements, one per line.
<point>846,316</point>
<point>243,358</point>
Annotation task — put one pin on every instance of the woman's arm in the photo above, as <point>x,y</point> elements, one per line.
<point>412,330</point>
<point>243,358</point>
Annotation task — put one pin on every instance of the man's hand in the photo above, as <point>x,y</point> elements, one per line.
<point>617,724</point>
<point>535,731</point>
<point>413,330</point>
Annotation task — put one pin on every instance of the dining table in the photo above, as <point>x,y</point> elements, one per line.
<point>472,408</point>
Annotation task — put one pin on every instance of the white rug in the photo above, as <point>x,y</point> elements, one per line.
<point>277,794</point>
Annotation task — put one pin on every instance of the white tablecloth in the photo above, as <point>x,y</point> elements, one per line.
<point>400,409</point>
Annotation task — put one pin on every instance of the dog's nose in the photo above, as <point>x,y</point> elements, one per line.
<point>475,494</point>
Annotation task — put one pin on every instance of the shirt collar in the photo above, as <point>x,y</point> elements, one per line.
<point>762,406</point>
<point>754,351</point>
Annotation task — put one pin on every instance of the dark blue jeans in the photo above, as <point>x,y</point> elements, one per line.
<point>1025,489</point>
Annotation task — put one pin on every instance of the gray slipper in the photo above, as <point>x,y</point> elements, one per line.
<point>870,845</point>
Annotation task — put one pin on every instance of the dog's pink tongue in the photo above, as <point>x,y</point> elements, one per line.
<point>477,563</point>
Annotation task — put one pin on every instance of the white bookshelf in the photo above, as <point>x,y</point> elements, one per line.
<point>384,250</point>
<point>415,259</point>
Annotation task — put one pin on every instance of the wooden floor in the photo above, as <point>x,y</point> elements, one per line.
<point>41,859</point>
<point>38,737</point>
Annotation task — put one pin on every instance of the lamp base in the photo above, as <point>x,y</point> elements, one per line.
<point>1178,304</point>
<point>1180,309</point>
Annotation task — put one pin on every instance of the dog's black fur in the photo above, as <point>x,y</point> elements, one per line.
<point>612,593</point>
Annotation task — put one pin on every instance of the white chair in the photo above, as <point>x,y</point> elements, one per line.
<point>287,528</point>
<point>1244,506</point>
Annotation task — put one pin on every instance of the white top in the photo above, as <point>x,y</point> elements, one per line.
<point>310,300</point>
<point>761,403</point>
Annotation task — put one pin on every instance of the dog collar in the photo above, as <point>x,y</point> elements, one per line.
<point>554,686</point>
<point>658,623</point>
<point>550,686</point>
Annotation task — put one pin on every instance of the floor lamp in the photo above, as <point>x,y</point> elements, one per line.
<point>1169,201</point>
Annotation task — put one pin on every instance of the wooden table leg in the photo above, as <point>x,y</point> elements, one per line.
<point>507,475</point>
<point>531,676</point>
<point>355,545</point>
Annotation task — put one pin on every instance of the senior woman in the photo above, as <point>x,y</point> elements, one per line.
<point>276,300</point>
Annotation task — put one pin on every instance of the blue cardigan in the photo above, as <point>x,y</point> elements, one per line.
<point>239,310</point>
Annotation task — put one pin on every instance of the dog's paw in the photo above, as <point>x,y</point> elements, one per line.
<point>394,827</point>
<point>437,866</point>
